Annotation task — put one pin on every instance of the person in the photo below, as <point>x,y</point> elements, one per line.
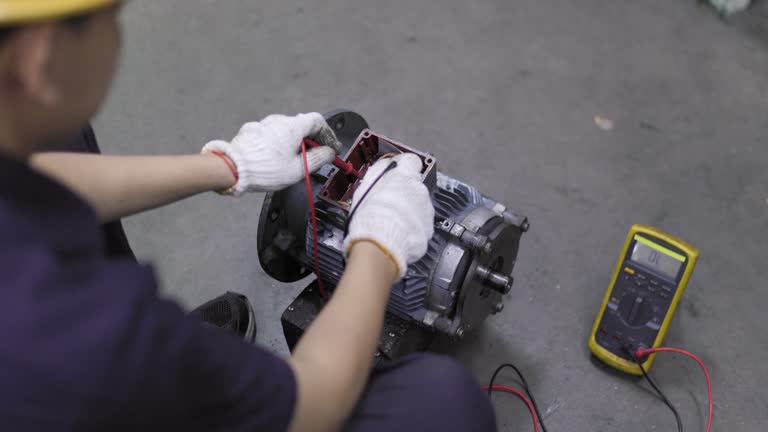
<point>87,344</point>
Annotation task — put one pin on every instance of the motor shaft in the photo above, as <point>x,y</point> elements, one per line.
<point>494,280</point>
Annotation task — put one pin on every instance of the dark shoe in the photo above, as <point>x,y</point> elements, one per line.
<point>230,312</point>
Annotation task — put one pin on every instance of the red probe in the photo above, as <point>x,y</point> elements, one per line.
<point>345,167</point>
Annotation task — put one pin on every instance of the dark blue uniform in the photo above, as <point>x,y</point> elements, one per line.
<point>87,344</point>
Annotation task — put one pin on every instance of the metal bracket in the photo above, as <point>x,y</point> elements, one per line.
<point>476,242</point>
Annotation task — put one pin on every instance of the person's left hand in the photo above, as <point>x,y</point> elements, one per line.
<point>267,154</point>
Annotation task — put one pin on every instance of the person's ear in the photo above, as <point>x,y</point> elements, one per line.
<point>30,52</point>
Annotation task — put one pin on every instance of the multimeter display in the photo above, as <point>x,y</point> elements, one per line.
<point>656,257</point>
<point>650,276</point>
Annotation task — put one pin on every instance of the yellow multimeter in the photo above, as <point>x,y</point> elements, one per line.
<point>650,277</point>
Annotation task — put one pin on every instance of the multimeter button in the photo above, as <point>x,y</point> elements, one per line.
<point>663,294</point>
<point>641,276</point>
<point>667,288</point>
<point>652,288</point>
<point>653,325</point>
<point>654,282</point>
<point>639,282</point>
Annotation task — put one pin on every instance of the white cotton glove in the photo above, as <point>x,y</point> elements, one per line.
<point>267,154</point>
<point>397,215</point>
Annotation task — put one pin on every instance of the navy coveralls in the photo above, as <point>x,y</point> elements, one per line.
<point>87,344</point>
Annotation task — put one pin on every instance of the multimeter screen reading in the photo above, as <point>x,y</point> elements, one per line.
<point>655,258</point>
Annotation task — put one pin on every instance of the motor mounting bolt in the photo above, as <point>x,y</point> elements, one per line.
<point>488,248</point>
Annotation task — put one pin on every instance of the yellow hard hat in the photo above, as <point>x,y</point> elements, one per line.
<point>21,11</point>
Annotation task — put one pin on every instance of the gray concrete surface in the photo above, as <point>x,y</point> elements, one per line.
<point>504,93</point>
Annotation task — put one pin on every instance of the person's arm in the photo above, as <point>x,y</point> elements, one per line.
<point>119,186</point>
<point>333,359</point>
<point>265,155</point>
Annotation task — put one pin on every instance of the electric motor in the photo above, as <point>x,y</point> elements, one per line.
<point>452,289</point>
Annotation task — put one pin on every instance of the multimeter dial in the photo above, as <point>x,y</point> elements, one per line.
<point>635,309</point>
<point>637,306</point>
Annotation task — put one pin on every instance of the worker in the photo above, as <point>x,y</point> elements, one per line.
<point>85,341</point>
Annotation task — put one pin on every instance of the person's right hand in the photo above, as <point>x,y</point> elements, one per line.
<point>397,215</point>
<point>267,154</point>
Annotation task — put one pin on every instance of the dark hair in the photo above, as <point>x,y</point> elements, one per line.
<point>77,23</point>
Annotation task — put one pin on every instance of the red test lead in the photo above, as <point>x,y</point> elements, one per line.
<point>345,167</point>
<point>313,217</point>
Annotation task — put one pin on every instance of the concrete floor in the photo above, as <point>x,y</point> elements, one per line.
<point>504,93</point>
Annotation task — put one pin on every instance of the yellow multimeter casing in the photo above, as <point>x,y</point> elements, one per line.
<point>647,284</point>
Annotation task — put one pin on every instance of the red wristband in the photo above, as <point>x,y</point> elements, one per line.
<point>229,163</point>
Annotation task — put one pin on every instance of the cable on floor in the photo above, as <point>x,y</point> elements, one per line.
<point>519,394</point>
<point>645,352</point>
<point>526,388</point>
<point>658,391</point>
